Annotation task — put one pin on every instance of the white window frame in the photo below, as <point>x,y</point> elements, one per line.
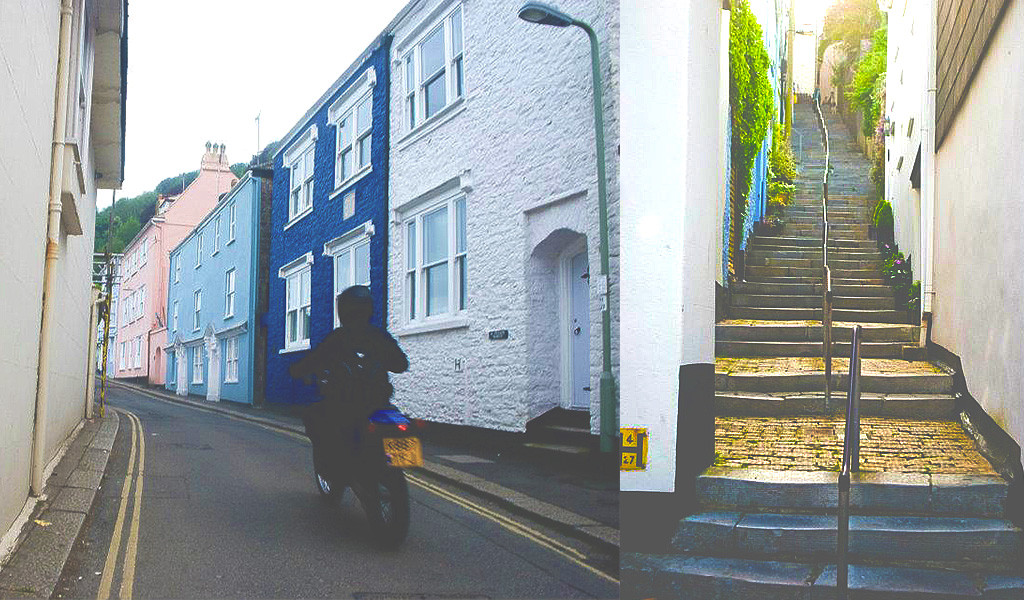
<point>414,297</point>
<point>229,293</point>
<point>142,302</point>
<point>348,242</point>
<point>199,250</point>
<point>293,272</point>
<point>197,364</point>
<point>121,362</point>
<point>300,183</point>
<point>346,108</point>
<point>138,352</point>
<point>231,359</point>
<point>414,108</point>
<point>174,316</point>
<point>197,307</point>
<point>216,236</point>
<point>232,214</point>
<point>177,268</point>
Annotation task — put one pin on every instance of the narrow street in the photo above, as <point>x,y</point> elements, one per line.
<point>229,509</point>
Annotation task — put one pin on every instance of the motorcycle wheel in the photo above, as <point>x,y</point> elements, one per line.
<point>387,508</point>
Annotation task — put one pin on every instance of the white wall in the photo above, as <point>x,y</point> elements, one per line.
<point>670,51</point>
<point>525,136</point>
<point>979,230</point>
<point>905,101</point>
<point>29,58</point>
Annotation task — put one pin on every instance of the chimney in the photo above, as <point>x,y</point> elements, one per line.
<point>214,159</point>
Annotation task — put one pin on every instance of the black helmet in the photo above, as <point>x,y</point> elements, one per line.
<point>355,305</point>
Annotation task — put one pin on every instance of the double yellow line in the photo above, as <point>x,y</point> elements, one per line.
<point>567,552</point>
<point>131,548</point>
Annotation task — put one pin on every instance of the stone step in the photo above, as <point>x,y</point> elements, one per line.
<point>814,252</point>
<point>840,302</point>
<point>816,280</point>
<point>812,242</point>
<point>806,289</point>
<point>811,333</point>
<point>834,262</point>
<point>887,383</point>
<point>779,404</point>
<point>814,314</point>
<point>777,271</point>
<point>883,538</point>
<point>682,577</point>
<point>761,490</point>
<point>776,348</point>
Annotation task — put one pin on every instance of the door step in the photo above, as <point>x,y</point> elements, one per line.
<point>764,404</point>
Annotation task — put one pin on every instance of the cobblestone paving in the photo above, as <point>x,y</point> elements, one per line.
<point>812,364</point>
<point>816,444</point>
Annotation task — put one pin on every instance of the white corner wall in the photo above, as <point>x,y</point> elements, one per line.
<point>670,121</point>
<point>979,240</point>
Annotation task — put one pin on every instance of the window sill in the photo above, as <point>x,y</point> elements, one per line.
<point>298,217</point>
<point>215,253</point>
<point>351,181</point>
<point>443,324</point>
<point>423,129</point>
<point>295,348</point>
<point>229,242</point>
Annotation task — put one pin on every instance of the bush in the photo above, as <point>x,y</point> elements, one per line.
<point>781,162</point>
<point>867,90</point>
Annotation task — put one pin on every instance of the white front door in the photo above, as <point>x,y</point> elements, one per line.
<point>181,370</point>
<point>579,330</point>
<point>212,369</point>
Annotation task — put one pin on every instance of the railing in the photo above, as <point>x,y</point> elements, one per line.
<point>826,273</point>
<point>851,462</point>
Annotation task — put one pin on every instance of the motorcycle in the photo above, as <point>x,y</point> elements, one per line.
<point>380,447</point>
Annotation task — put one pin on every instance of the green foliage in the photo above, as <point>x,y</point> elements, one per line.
<point>866,92</point>
<point>898,273</point>
<point>850,21</point>
<point>750,96</point>
<point>239,169</point>
<point>781,162</point>
<point>172,186</point>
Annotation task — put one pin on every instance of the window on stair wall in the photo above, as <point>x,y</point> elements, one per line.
<point>229,293</point>
<point>433,70</point>
<point>197,364</point>
<point>300,162</point>
<point>296,275</point>
<point>435,259</point>
<point>197,303</point>
<point>231,360</point>
<point>351,254</point>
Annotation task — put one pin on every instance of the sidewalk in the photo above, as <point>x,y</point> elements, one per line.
<point>46,541</point>
<point>581,502</point>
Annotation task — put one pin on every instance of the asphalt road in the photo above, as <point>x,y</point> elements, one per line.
<point>228,509</point>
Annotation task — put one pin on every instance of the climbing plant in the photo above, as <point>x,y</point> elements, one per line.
<point>751,103</point>
<point>866,92</point>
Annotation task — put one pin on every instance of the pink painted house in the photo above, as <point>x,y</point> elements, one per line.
<point>141,331</point>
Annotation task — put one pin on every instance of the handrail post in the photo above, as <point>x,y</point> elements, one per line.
<point>851,462</point>
<point>843,535</point>
<point>854,401</point>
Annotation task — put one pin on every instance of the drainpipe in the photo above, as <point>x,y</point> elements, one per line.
<point>52,245</point>
<point>93,342</point>
<point>928,178</point>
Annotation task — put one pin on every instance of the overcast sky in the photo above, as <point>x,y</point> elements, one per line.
<point>201,70</point>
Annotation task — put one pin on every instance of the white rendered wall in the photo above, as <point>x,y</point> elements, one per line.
<point>29,59</point>
<point>979,232</point>
<point>905,101</point>
<point>523,144</point>
<point>670,51</point>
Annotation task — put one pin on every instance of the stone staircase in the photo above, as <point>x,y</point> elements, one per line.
<point>929,511</point>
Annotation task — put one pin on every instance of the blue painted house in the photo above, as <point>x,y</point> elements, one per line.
<point>216,287</point>
<point>329,222</point>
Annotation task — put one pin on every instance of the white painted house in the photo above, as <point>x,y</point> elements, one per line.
<point>62,94</point>
<point>494,244</point>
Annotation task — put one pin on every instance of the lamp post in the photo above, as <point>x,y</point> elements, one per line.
<point>543,14</point>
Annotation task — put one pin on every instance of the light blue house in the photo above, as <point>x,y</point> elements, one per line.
<point>216,287</point>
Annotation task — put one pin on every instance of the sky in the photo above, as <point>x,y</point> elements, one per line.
<point>201,70</point>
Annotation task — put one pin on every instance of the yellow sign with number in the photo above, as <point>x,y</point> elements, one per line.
<point>634,448</point>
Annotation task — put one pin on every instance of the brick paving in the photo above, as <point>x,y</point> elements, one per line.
<point>813,364</point>
<point>816,444</point>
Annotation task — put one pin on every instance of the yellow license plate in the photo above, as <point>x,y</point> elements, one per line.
<point>404,452</point>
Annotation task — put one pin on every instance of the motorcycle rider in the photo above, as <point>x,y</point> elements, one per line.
<point>351,366</point>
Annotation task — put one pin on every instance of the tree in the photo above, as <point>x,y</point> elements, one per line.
<point>850,21</point>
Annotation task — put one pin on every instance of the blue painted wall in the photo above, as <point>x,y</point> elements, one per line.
<point>210,277</point>
<point>325,223</point>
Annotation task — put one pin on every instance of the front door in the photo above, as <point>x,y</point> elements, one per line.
<point>579,330</point>
<point>212,368</point>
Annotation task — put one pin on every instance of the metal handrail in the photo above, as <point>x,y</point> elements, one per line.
<point>851,462</point>
<point>826,273</point>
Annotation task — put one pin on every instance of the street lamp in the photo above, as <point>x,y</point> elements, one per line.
<point>538,12</point>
